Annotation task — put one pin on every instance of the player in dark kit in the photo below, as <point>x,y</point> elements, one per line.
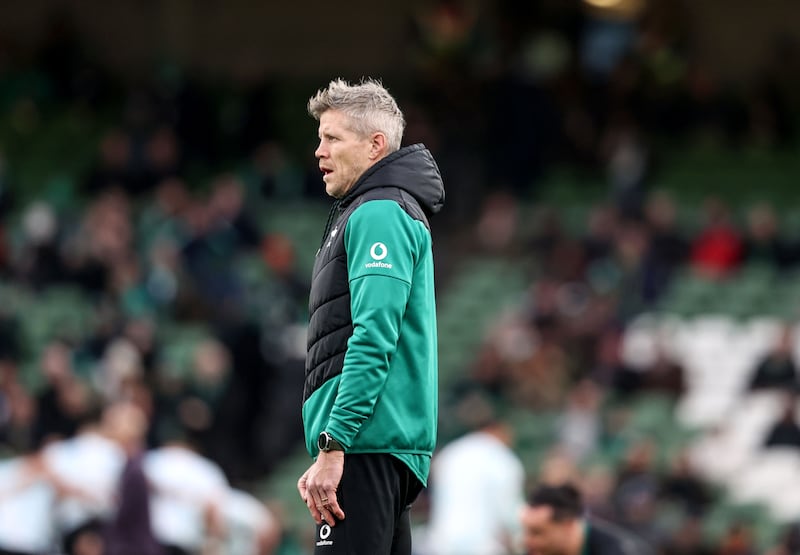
<point>554,523</point>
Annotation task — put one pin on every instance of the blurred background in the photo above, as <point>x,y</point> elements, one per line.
<point>618,262</point>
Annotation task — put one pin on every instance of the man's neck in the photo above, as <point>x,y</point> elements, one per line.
<point>580,535</point>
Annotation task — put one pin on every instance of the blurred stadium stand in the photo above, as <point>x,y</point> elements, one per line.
<point>549,269</point>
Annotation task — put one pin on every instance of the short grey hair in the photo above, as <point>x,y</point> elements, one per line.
<point>368,104</point>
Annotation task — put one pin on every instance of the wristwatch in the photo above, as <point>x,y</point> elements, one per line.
<point>326,443</point>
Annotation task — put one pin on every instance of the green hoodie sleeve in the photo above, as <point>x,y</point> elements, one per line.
<point>382,244</point>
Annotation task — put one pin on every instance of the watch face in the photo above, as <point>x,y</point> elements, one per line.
<point>322,441</point>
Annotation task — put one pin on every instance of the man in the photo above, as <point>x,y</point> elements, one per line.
<point>88,467</point>
<point>27,498</point>
<point>187,491</point>
<point>370,395</point>
<point>250,527</point>
<point>129,531</point>
<point>459,525</point>
<point>554,524</point>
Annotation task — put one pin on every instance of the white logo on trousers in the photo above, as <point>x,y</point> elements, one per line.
<point>324,533</point>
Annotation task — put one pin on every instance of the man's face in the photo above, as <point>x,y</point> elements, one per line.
<point>543,535</point>
<point>343,155</point>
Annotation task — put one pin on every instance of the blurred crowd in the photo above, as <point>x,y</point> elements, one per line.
<point>587,284</point>
<point>606,95</point>
<point>132,275</point>
<point>140,282</point>
<point>560,352</point>
<point>137,273</point>
<point>163,218</point>
<point>604,91</point>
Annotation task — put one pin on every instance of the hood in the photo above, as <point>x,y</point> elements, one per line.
<point>413,169</point>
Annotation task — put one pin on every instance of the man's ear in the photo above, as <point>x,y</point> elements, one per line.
<point>377,146</point>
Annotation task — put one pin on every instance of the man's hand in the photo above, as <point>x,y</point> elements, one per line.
<point>317,487</point>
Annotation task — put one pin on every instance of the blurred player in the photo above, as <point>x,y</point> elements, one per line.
<point>555,523</point>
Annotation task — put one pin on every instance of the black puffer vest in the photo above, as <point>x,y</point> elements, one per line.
<point>409,177</point>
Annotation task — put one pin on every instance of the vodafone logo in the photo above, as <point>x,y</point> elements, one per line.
<point>324,532</point>
<point>378,251</point>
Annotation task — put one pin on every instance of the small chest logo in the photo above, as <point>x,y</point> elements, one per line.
<point>332,235</point>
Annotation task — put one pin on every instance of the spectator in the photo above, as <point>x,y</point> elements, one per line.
<point>64,401</point>
<point>212,406</point>
<point>636,490</point>
<point>597,487</point>
<point>547,232</point>
<point>113,165</point>
<point>763,241</point>
<point>665,375</point>
<point>738,540</point>
<point>683,485</point>
<point>580,427</point>
<point>290,289</point>
<point>634,275</point>
<point>668,247</point>
<point>103,240</point>
<point>540,374</point>
<point>162,159</point>
<point>601,229</point>
<point>777,370</point>
<point>161,218</point>
<point>11,341</point>
<point>611,370</point>
<point>688,539</point>
<point>497,224</point>
<point>39,261</point>
<point>557,468</point>
<point>786,431</point>
<point>141,333</point>
<point>229,213</point>
<point>789,543</point>
<point>168,284</point>
<point>628,163</point>
<point>120,366</point>
<point>17,410</point>
<point>719,248</point>
<point>273,173</point>
<point>206,255</point>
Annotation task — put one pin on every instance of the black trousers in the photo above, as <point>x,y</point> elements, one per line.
<point>375,494</point>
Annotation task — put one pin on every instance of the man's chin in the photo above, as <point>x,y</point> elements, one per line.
<point>334,191</point>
